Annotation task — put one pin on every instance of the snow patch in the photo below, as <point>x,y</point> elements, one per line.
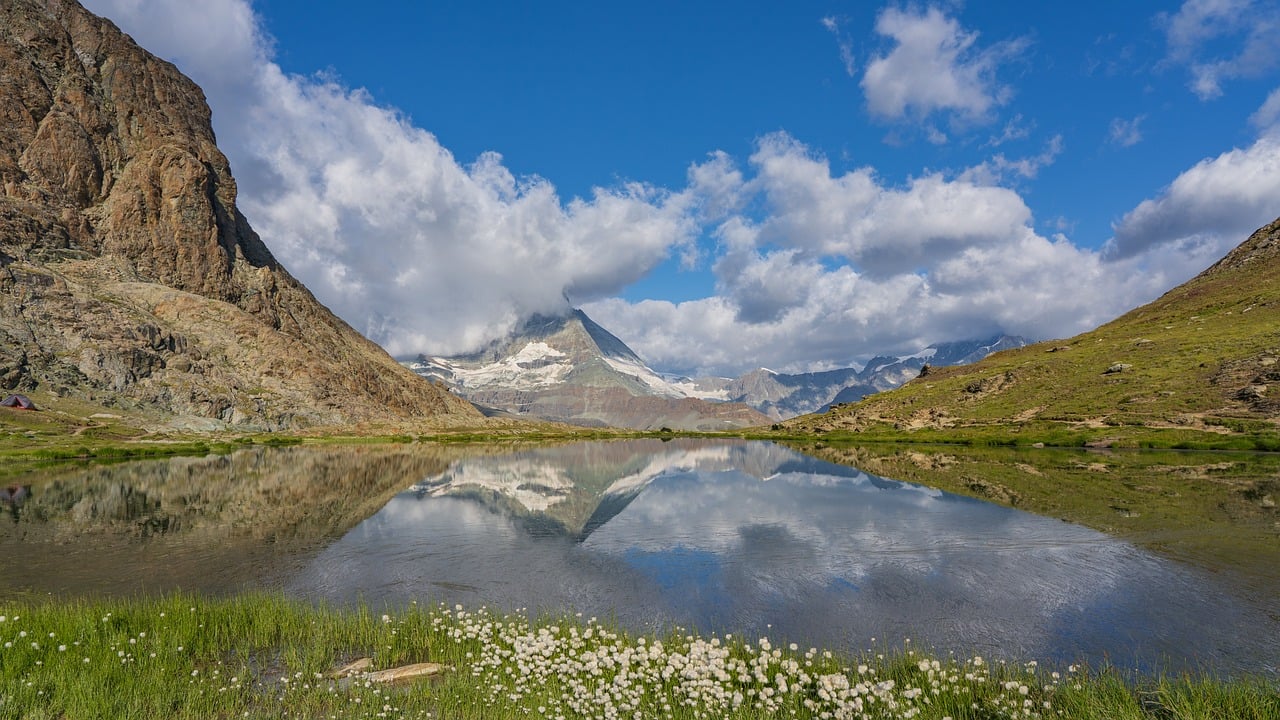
<point>924,354</point>
<point>533,368</point>
<point>658,384</point>
<point>535,351</point>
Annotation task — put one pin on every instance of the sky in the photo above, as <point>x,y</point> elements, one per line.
<point>732,185</point>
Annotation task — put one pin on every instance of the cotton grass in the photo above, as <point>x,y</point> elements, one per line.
<point>266,657</point>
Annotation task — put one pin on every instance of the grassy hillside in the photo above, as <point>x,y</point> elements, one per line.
<point>1200,366</point>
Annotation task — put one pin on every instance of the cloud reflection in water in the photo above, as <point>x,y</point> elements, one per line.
<point>753,538</point>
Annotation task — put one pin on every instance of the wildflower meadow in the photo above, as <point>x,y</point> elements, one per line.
<point>267,657</point>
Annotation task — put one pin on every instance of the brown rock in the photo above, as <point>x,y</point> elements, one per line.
<point>127,274</point>
<point>406,673</point>
<point>352,668</point>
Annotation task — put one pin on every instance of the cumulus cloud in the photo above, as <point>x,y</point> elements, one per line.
<point>814,269</point>
<point>419,251</point>
<point>842,266</point>
<point>1214,204</point>
<point>1221,40</point>
<point>935,65</point>
<point>883,230</point>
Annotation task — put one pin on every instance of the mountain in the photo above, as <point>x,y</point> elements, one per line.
<point>782,396</point>
<point>129,279</point>
<point>1204,356</point>
<point>569,369</point>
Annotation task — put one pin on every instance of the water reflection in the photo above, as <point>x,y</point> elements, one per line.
<point>214,524</point>
<point>13,497</point>
<point>719,536</point>
<point>754,538</point>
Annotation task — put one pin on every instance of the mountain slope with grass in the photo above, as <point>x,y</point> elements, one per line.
<point>128,278</point>
<point>1202,361</point>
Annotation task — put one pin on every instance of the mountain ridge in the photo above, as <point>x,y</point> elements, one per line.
<point>128,276</point>
<point>1205,357</point>
<point>570,369</point>
<point>784,395</point>
<point>547,355</point>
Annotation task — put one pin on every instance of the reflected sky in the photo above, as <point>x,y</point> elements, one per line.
<point>752,538</point>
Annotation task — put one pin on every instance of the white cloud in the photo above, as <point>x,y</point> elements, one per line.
<point>422,253</point>
<point>882,230</point>
<point>416,250</point>
<point>813,269</point>
<point>1267,117</point>
<point>1197,33</point>
<point>1000,169</point>
<point>1214,204</point>
<point>1013,130</point>
<point>841,267</point>
<point>1126,133</point>
<point>832,25</point>
<point>935,65</point>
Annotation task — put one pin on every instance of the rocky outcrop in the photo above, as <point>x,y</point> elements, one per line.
<point>569,369</point>
<point>127,275</point>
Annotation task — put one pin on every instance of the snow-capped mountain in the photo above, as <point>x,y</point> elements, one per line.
<point>570,369</point>
<point>782,396</point>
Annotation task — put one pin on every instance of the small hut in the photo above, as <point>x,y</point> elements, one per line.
<point>19,402</point>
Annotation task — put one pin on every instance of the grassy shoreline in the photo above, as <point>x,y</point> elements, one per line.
<point>265,656</point>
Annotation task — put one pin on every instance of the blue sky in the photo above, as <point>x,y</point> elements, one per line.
<point>730,185</point>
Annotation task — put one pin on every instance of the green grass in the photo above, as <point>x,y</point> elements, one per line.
<point>1049,434</point>
<point>1187,356</point>
<point>267,657</point>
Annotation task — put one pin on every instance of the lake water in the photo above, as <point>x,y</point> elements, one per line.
<point>714,536</point>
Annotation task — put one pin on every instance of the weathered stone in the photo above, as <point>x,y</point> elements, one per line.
<point>352,668</point>
<point>126,263</point>
<point>406,673</point>
<point>1252,392</point>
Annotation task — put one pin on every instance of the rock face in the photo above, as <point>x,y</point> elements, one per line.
<point>569,369</point>
<point>127,275</point>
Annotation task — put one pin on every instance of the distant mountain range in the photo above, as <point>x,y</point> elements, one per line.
<point>782,396</point>
<point>570,369</point>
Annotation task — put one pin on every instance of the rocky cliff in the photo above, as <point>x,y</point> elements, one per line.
<point>127,275</point>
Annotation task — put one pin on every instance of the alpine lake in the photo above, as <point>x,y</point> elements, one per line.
<point>839,548</point>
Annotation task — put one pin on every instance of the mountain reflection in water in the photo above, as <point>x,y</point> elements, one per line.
<point>749,537</point>
<point>716,536</point>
